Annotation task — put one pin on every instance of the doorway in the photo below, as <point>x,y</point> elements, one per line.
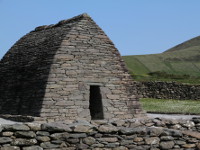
<point>96,106</point>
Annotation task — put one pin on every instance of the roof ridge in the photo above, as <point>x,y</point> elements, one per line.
<point>62,22</point>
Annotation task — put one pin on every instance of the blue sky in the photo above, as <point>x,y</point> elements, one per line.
<point>135,26</point>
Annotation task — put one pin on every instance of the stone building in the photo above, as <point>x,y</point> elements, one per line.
<point>66,71</point>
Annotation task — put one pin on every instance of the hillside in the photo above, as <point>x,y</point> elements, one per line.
<point>183,59</point>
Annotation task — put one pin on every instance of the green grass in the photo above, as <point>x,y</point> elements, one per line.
<point>177,62</point>
<point>171,106</point>
<point>183,59</point>
<point>184,62</point>
<point>135,66</point>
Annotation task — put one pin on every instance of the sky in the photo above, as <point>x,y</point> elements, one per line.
<point>136,27</point>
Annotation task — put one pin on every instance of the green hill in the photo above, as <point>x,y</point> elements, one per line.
<point>180,61</point>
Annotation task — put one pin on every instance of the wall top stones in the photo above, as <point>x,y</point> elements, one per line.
<point>167,90</point>
<point>142,134</point>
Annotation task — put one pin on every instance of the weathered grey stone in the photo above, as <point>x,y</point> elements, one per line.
<point>82,128</point>
<point>166,138</point>
<point>25,134</point>
<point>98,146</point>
<point>108,139</point>
<point>89,140</point>
<point>42,133</point>
<point>55,127</point>
<point>34,126</point>
<point>33,148</point>
<point>4,140</point>
<point>175,133</point>
<point>179,142</point>
<point>119,123</point>
<point>43,138</point>
<point>16,127</point>
<point>7,133</point>
<point>154,148</point>
<point>155,131</point>
<point>129,137</point>
<point>166,145</point>
<point>120,148</point>
<point>112,145</point>
<point>152,140</point>
<point>189,124</point>
<point>82,146</point>
<point>129,131</point>
<point>72,141</point>
<point>126,142</point>
<point>77,135</point>
<point>176,126</point>
<point>188,145</point>
<point>192,134</point>
<point>10,148</point>
<point>99,122</point>
<point>138,139</point>
<point>56,141</point>
<point>107,129</point>
<point>49,145</point>
<point>61,136</point>
<point>98,135</point>
<point>1,128</point>
<point>24,142</point>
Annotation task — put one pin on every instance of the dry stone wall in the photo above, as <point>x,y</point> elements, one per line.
<point>135,134</point>
<point>167,90</point>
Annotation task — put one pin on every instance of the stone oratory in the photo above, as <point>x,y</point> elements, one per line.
<point>67,71</point>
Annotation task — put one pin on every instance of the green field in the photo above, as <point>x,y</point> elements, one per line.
<point>181,61</point>
<point>171,106</point>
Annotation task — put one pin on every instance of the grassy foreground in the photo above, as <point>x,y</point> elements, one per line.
<point>171,106</point>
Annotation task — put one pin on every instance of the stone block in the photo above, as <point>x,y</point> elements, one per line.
<point>64,103</point>
<point>10,148</point>
<point>166,145</point>
<point>107,129</point>
<point>108,139</point>
<point>25,134</point>
<point>113,97</point>
<point>55,127</point>
<point>24,142</point>
<point>33,148</point>
<point>89,140</point>
<point>5,140</point>
<point>16,127</point>
<point>152,140</point>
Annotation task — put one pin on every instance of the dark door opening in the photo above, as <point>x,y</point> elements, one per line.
<point>96,106</point>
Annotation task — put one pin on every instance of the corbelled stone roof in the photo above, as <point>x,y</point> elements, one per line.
<point>50,70</point>
<point>63,22</point>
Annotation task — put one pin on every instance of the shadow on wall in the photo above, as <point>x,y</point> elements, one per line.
<point>24,72</point>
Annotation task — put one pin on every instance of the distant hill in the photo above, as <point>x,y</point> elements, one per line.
<point>183,59</point>
<point>194,42</point>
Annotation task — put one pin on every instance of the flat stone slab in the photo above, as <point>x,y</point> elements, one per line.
<point>172,116</point>
<point>5,121</point>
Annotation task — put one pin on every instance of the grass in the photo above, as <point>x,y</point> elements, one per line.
<point>183,59</point>
<point>171,106</point>
<point>184,62</point>
<point>176,62</point>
